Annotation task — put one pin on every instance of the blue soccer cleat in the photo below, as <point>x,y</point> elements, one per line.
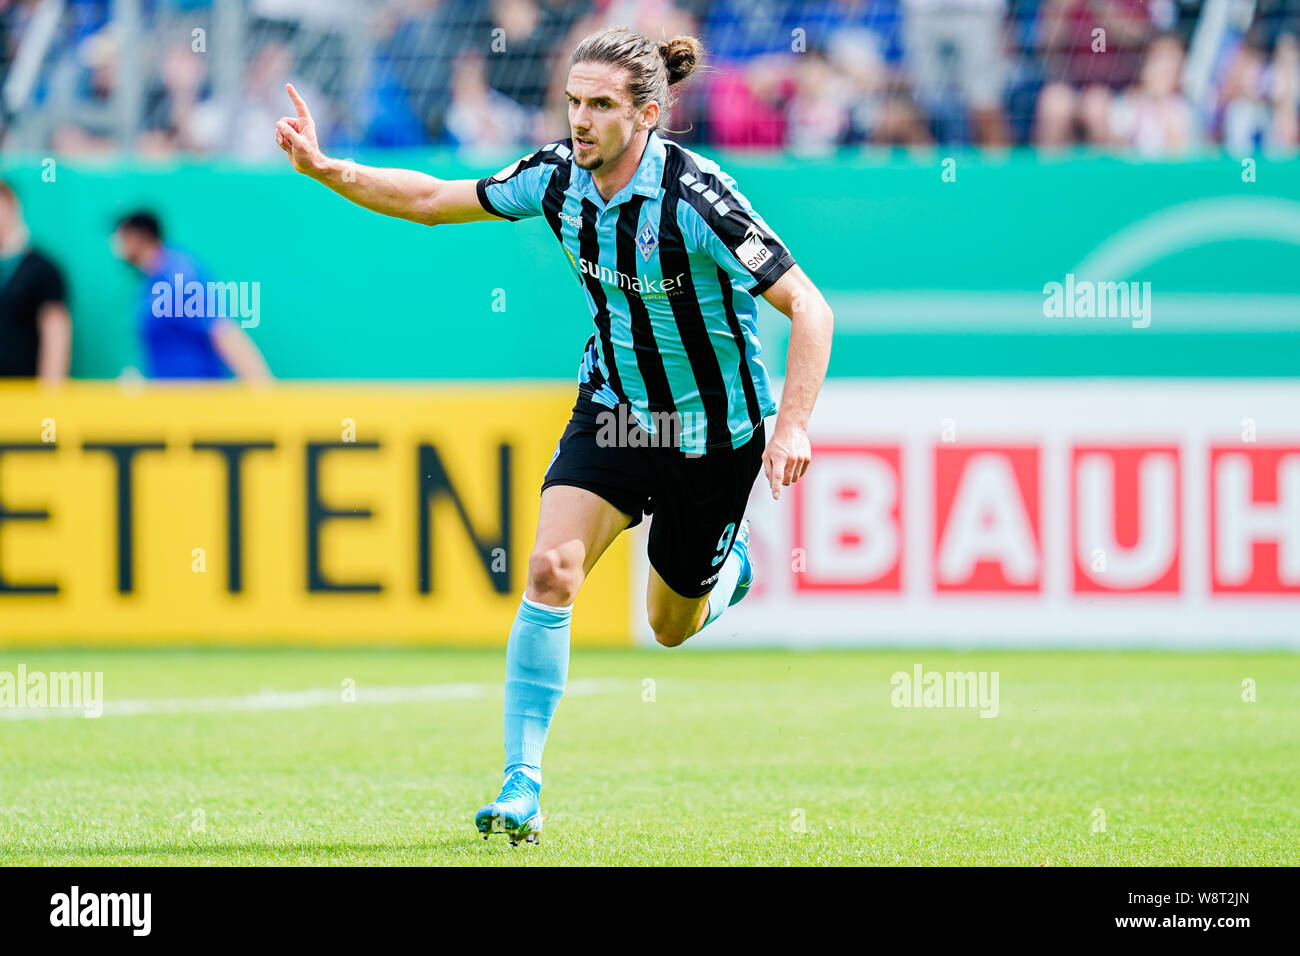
<point>517,812</point>
<point>746,567</point>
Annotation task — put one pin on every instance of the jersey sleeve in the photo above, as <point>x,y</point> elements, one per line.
<point>516,192</point>
<point>735,236</point>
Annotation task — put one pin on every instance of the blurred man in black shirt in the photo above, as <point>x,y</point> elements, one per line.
<point>35,327</point>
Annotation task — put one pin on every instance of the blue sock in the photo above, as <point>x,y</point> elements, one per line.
<point>720,596</point>
<point>537,666</point>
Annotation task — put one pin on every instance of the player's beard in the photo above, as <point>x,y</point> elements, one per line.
<point>593,163</point>
<point>589,163</point>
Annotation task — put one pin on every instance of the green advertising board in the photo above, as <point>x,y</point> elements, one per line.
<point>934,266</point>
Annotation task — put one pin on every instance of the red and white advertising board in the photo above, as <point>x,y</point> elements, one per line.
<point>1041,513</point>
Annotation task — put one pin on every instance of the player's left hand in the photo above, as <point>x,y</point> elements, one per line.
<point>787,456</point>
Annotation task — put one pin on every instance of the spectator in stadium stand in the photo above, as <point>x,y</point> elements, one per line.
<point>820,114</point>
<point>179,341</point>
<point>1256,110</point>
<point>862,42</point>
<point>416,53</point>
<point>519,57</point>
<point>1152,118</point>
<point>881,109</point>
<point>1284,94</point>
<point>972,31</point>
<point>747,99</point>
<point>1241,120</point>
<point>480,117</point>
<point>174,100</point>
<point>90,130</point>
<point>1082,74</point>
<point>774,88</point>
<point>748,105</point>
<point>35,325</point>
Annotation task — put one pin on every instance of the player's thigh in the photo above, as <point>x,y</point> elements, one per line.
<point>688,548</point>
<point>672,614</point>
<point>578,524</point>
<point>593,489</point>
<point>696,516</point>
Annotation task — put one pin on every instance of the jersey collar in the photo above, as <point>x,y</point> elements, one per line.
<point>646,181</point>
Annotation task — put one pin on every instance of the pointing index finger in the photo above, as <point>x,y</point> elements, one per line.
<point>298,104</point>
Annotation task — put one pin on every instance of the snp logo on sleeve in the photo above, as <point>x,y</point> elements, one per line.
<point>753,252</point>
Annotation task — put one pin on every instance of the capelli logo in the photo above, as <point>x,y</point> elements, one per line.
<point>75,908</point>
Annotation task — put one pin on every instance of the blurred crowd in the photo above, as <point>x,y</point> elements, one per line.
<point>1152,78</point>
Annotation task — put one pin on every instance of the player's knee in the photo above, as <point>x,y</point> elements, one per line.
<point>554,576</point>
<point>671,636</point>
<point>668,631</point>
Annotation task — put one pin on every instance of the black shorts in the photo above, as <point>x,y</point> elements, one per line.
<point>698,501</point>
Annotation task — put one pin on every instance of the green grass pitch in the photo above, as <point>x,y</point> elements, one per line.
<point>1112,758</point>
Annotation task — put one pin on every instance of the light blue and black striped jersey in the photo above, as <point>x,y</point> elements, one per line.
<point>670,266</point>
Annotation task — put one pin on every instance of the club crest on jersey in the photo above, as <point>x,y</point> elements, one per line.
<point>646,240</point>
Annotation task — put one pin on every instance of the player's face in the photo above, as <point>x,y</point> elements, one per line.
<point>602,117</point>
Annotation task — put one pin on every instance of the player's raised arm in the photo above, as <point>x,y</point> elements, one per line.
<point>401,193</point>
<point>789,452</point>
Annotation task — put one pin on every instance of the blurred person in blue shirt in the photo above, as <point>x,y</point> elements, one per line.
<point>189,326</point>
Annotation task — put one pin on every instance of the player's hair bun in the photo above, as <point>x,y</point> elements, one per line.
<point>653,67</point>
<point>680,56</point>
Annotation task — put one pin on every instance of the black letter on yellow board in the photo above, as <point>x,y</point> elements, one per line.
<point>318,513</point>
<point>37,515</point>
<point>233,452</point>
<point>123,454</point>
<point>435,483</point>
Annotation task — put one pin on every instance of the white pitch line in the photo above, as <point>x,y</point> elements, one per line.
<point>301,699</point>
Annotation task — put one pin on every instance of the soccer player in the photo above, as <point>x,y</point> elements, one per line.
<point>672,391</point>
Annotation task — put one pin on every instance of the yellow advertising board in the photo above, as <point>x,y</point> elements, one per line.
<point>298,514</point>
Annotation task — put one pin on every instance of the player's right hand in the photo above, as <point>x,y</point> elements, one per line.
<point>296,135</point>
